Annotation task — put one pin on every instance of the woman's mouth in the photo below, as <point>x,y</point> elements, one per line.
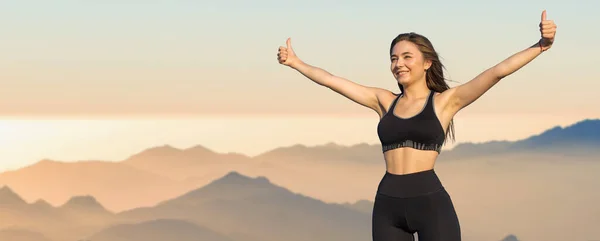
<point>402,73</point>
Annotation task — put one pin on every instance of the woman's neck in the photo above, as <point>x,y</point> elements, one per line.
<point>416,91</point>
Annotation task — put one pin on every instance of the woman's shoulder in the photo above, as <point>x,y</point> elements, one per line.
<point>384,95</point>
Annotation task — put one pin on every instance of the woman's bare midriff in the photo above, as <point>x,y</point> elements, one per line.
<point>407,160</point>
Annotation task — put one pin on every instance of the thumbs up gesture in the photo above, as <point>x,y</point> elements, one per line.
<point>286,55</point>
<point>548,31</point>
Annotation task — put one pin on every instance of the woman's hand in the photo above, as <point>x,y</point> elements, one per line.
<point>286,55</point>
<point>548,31</point>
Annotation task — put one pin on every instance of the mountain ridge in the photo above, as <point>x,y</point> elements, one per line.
<point>578,139</point>
<point>588,128</point>
<point>260,210</point>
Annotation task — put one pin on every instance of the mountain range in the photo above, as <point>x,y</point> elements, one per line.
<point>232,208</point>
<point>230,196</point>
<point>579,139</point>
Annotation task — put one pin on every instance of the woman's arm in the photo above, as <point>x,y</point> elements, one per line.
<point>463,95</point>
<point>363,95</point>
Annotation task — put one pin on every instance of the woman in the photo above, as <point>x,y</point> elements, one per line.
<point>413,127</point>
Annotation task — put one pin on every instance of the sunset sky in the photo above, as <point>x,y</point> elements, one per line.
<point>106,79</point>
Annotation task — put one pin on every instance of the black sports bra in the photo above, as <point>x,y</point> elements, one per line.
<point>422,131</point>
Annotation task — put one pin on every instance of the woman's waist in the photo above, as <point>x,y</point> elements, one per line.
<point>410,184</point>
<point>407,160</point>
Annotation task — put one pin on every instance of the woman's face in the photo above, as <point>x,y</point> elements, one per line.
<point>407,63</point>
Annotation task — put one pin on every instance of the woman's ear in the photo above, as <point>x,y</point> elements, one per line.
<point>428,64</point>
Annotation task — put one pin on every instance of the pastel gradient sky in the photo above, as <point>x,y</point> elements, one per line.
<point>101,62</point>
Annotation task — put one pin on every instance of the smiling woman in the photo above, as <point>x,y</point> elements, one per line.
<point>412,135</point>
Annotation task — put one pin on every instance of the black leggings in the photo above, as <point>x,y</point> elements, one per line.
<point>414,203</point>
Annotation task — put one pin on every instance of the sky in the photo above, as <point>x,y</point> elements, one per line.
<point>100,65</point>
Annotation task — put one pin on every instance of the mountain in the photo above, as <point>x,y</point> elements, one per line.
<point>84,204</point>
<point>331,153</point>
<point>41,205</point>
<point>15,210</point>
<point>8,198</point>
<point>85,209</point>
<point>259,210</point>
<point>234,207</point>
<point>158,230</point>
<point>182,164</point>
<point>510,238</point>
<point>116,185</point>
<point>583,134</point>
<point>579,139</point>
<point>77,217</point>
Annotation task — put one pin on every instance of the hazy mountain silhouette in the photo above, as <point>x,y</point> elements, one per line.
<point>579,139</point>
<point>510,238</point>
<point>238,207</point>
<point>158,230</point>
<point>85,209</point>
<point>8,198</point>
<point>21,235</point>
<point>116,185</point>
<point>84,204</point>
<point>15,210</point>
<point>332,153</point>
<point>245,208</point>
<point>178,164</point>
<point>78,216</point>
<point>40,205</point>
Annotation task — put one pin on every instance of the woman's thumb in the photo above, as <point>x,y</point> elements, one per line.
<point>288,42</point>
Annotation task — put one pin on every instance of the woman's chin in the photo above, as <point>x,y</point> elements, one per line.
<point>403,81</point>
